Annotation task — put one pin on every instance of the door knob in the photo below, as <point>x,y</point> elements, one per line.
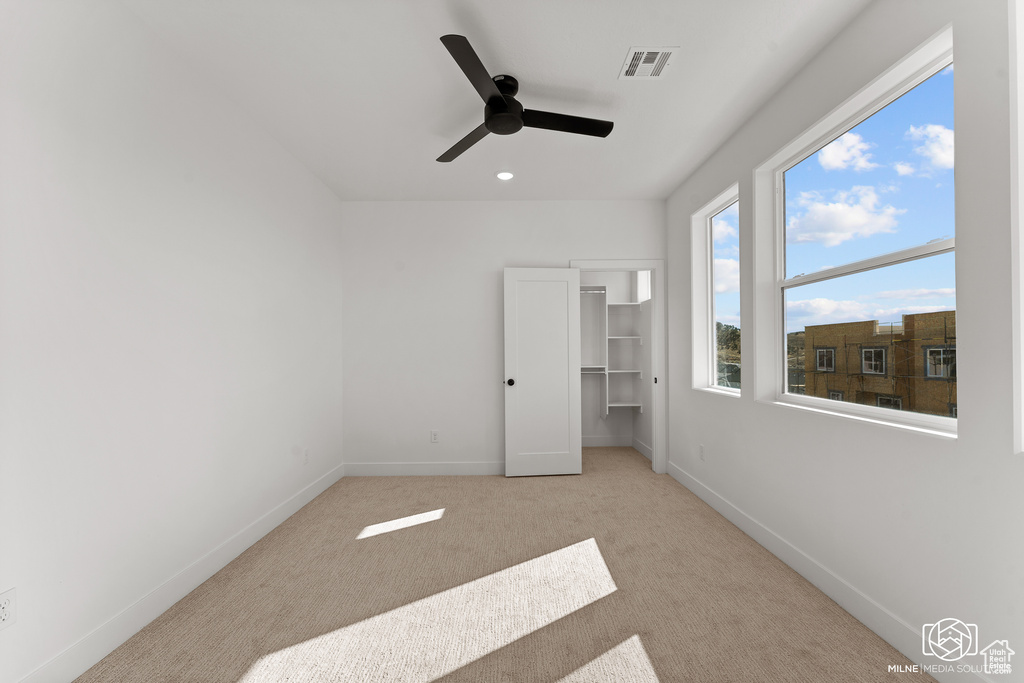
<point>511,382</point>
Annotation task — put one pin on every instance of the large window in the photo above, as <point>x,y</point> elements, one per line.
<point>864,249</point>
<point>715,267</point>
<point>725,282</point>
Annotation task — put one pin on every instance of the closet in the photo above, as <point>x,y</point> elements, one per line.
<point>616,361</point>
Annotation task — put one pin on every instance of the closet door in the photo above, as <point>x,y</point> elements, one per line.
<point>543,433</point>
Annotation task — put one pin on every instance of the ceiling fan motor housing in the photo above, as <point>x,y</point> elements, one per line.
<point>503,119</point>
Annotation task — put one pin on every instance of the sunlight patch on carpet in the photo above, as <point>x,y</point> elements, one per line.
<point>627,662</point>
<point>432,637</point>
<point>403,523</point>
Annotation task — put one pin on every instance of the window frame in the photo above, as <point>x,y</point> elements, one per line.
<point>704,336</point>
<point>768,206</point>
<point>897,401</point>
<point>863,362</point>
<point>943,349</point>
<point>817,359</point>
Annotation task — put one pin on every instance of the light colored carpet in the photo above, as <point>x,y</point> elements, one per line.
<point>618,574</point>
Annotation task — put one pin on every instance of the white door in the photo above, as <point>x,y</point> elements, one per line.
<point>543,432</point>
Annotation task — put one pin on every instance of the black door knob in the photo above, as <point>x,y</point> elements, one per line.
<point>511,382</point>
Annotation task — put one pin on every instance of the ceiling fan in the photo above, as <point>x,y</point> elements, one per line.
<point>503,115</point>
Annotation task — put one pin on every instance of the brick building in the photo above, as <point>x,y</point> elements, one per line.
<point>909,365</point>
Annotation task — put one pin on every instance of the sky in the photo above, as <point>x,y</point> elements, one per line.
<point>884,185</point>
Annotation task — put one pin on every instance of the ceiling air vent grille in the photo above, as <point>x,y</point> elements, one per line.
<point>646,62</point>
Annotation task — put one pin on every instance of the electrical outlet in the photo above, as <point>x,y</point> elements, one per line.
<point>7,608</point>
<point>702,452</point>
<point>434,438</point>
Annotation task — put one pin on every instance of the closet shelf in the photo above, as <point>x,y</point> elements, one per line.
<point>593,369</point>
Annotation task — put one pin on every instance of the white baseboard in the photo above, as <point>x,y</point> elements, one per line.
<point>607,441</point>
<point>646,450</point>
<point>77,658</point>
<point>422,469</point>
<point>903,636</point>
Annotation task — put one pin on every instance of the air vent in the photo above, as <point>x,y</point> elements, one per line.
<point>646,63</point>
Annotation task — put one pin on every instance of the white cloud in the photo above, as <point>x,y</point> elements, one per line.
<point>938,144</point>
<point>847,151</point>
<point>903,168</point>
<point>727,275</point>
<point>722,231</point>
<point>821,311</point>
<point>917,293</point>
<point>733,320</point>
<point>849,215</point>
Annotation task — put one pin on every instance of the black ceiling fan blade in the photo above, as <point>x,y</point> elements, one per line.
<point>475,136</point>
<point>565,123</point>
<point>465,56</point>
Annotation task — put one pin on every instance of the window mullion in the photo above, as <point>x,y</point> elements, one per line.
<point>933,248</point>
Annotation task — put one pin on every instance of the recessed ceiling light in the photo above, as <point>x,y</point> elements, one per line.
<point>505,175</point>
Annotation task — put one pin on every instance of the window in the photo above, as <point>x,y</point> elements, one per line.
<point>872,361</point>
<point>940,362</point>
<point>725,283</point>
<point>863,250</point>
<point>826,360</point>
<point>890,402</point>
<point>835,395</point>
<point>715,245</point>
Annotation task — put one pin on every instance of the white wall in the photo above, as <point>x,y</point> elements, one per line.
<point>899,527</point>
<point>424,322</point>
<point>170,336</point>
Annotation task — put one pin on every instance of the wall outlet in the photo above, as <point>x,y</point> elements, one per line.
<point>701,453</point>
<point>434,438</point>
<point>7,608</point>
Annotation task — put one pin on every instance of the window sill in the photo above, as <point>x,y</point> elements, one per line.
<point>721,391</point>
<point>931,425</point>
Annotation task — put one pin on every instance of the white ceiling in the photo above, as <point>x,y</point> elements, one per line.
<point>365,95</point>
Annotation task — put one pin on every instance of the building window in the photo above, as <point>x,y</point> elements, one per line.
<point>715,246</point>
<point>864,246</point>
<point>835,395</point>
<point>825,360</point>
<point>940,362</point>
<point>894,402</point>
<point>872,361</point>
<point>952,410</point>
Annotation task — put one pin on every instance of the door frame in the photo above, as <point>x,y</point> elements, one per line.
<point>659,461</point>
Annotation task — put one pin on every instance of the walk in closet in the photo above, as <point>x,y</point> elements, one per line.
<point>615,346</point>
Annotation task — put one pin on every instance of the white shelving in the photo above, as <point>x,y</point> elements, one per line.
<point>610,339</point>
<point>624,340</point>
